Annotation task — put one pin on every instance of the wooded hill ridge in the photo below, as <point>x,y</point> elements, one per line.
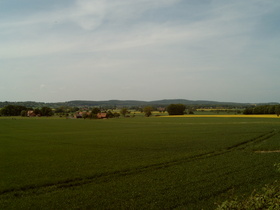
<point>132,103</point>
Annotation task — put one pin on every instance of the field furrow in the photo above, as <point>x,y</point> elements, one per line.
<point>104,177</point>
<point>148,163</point>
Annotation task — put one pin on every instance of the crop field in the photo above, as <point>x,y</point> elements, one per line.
<point>135,163</point>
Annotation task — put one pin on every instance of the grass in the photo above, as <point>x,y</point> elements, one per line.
<point>138,163</point>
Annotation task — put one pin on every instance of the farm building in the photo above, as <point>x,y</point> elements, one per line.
<point>80,114</point>
<point>101,115</point>
<point>31,113</point>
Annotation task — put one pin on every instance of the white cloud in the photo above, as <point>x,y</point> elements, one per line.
<point>39,34</point>
<point>115,38</point>
<point>44,33</point>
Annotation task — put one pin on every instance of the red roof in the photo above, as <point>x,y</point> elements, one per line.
<point>101,115</point>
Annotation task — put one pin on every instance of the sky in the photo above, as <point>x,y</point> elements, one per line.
<point>56,51</point>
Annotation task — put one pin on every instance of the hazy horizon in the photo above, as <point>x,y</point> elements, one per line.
<point>57,51</point>
<point>268,102</point>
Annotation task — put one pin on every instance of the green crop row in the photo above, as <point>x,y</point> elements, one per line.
<point>138,163</point>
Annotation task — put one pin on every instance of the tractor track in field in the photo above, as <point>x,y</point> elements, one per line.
<point>257,139</point>
<point>106,177</point>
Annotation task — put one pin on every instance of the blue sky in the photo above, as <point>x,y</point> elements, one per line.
<point>54,51</point>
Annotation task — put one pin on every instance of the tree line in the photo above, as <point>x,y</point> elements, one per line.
<point>172,109</point>
<point>263,109</point>
<point>18,110</point>
<point>15,110</point>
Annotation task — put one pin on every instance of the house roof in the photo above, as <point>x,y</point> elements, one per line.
<point>101,115</point>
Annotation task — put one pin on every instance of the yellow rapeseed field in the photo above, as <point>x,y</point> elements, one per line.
<point>244,116</point>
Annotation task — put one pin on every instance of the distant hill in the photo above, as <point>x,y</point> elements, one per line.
<point>164,102</point>
<point>130,103</point>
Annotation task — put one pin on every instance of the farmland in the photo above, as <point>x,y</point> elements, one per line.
<point>134,163</point>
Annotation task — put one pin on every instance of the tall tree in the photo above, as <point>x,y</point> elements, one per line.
<point>23,113</point>
<point>176,109</point>
<point>148,111</point>
<point>277,110</point>
<point>123,111</point>
<point>46,111</point>
<point>95,110</point>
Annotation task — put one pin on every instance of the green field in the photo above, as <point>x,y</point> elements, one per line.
<point>134,163</point>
